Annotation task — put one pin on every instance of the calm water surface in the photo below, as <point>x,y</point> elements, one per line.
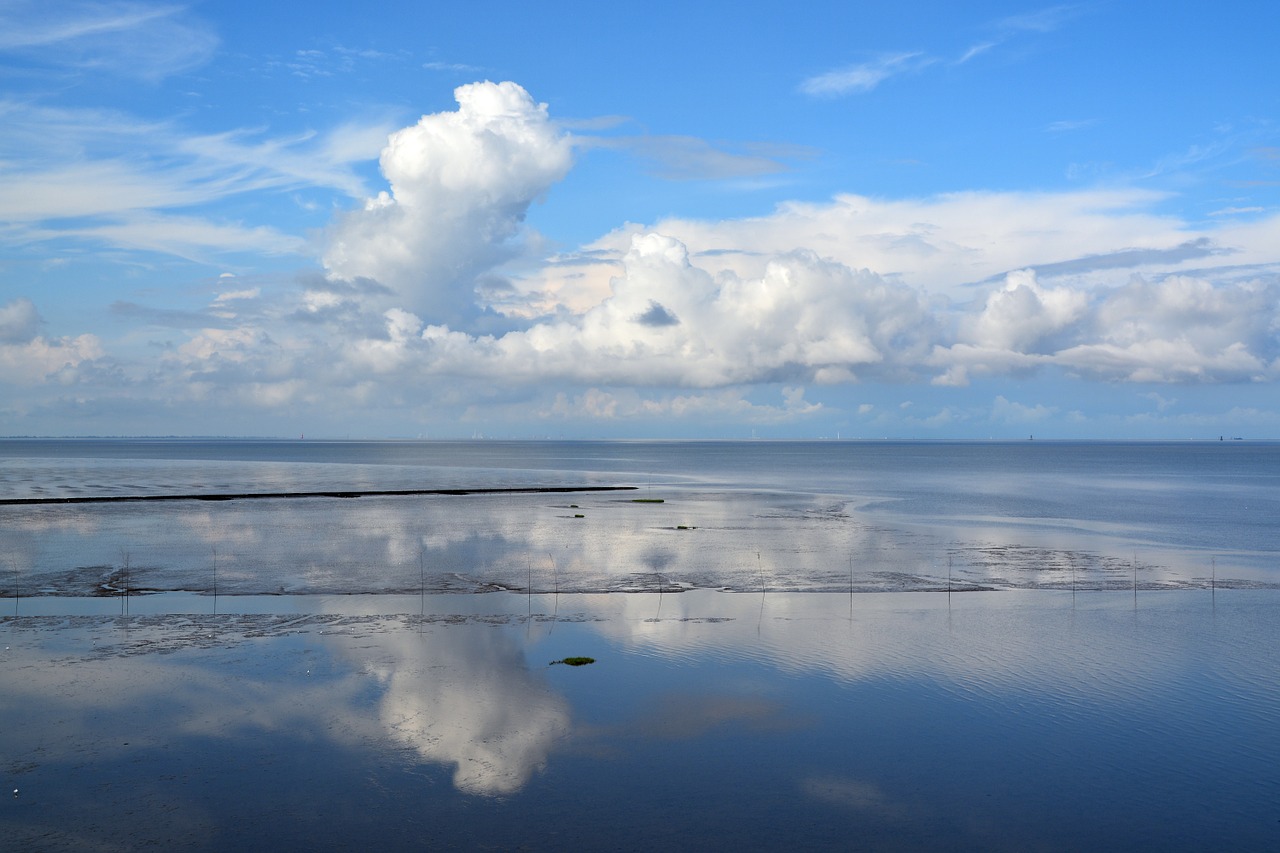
<point>1104,674</point>
<point>782,515</point>
<point>1004,721</point>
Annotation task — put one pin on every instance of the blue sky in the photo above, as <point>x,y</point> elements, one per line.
<point>510,219</point>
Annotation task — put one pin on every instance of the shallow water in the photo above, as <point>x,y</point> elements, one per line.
<point>990,721</point>
<point>303,674</point>
<point>741,515</point>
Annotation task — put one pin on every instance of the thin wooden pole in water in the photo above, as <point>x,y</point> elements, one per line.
<point>124,585</point>
<point>214,548</point>
<point>760,619</point>
<point>555,578</point>
<point>1213,582</point>
<point>1135,580</point>
<point>528,596</point>
<point>850,587</point>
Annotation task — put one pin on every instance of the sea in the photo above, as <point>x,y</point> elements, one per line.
<point>216,644</point>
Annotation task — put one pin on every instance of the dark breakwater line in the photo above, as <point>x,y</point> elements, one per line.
<point>252,496</point>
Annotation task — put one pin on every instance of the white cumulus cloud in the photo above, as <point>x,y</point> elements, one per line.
<point>460,185</point>
<point>19,321</point>
<point>1183,328</point>
<point>28,358</point>
<point>668,322</point>
<point>1023,315</point>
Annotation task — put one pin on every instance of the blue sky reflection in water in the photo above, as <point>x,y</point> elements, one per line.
<point>332,715</point>
<point>1006,721</point>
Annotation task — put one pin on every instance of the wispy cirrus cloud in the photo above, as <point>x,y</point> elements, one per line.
<point>315,64</point>
<point>975,50</point>
<point>1039,21</point>
<point>1068,125</point>
<point>1006,29</point>
<point>1236,211</point>
<point>457,67</point>
<point>866,76</point>
<point>115,179</point>
<point>863,77</point>
<point>693,158</point>
<point>138,40</point>
<point>1042,21</point>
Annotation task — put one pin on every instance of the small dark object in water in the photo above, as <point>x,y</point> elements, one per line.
<point>648,500</point>
<point>574,661</point>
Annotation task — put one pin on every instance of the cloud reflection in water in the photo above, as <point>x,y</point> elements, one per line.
<point>467,699</point>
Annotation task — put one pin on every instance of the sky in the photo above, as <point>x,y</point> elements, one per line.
<point>660,220</point>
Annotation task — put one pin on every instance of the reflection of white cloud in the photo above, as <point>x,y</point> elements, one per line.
<point>481,543</point>
<point>465,698</point>
<point>459,696</point>
<point>852,794</point>
<point>898,636</point>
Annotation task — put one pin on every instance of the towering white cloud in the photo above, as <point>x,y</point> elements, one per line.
<point>460,185</point>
